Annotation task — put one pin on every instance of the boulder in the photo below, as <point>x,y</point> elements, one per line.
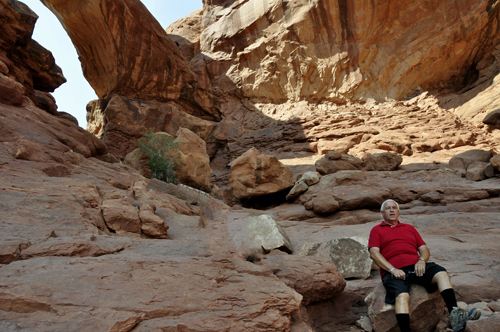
<point>360,196</point>
<point>254,234</point>
<point>316,280</point>
<point>462,161</point>
<point>121,216</point>
<point>254,174</point>
<point>333,155</point>
<point>495,161</point>
<point>341,145</point>
<point>493,119</point>
<point>152,225</point>
<point>298,188</point>
<point>350,255</point>
<point>140,161</point>
<point>310,178</point>
<point>195,171</point>
<point>426,310</point>
<point>386,161</point>
<point>479,170</point>
<point>307,179</point>
<point>328,166</point>
<point>325,204</point>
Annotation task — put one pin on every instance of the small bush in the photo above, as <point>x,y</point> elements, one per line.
<point>163,153</point>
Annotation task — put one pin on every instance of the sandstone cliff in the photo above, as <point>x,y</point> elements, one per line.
<point>87,242</point>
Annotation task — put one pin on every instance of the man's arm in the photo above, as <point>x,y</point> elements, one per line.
<point>424,254</point>
<point>384,264</point>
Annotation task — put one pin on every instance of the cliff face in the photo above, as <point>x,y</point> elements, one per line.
<point>348,50</point>
<point>88,242</point>
<point>27,70</point>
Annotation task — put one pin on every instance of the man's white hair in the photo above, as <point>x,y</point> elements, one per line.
<point>387,201</point>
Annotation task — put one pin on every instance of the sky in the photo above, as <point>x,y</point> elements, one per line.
<point>72,97</point>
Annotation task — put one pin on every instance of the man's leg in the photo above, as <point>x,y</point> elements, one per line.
<point>444,285</point>
<point>458,317</point>
<point>403,311</point>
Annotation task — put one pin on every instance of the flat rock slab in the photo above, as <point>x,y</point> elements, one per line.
<point>115,289</point>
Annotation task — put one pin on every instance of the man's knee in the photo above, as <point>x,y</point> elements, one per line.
<point>443,275</point>
<point>403,298</point>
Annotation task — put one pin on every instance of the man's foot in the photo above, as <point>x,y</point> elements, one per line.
<point>458,317</point>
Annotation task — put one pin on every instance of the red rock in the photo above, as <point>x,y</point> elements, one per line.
<point>126,69</point>
<point>425,309</point>
<point>315,280</point>
<point>254,174</point>
<point>488,324</point>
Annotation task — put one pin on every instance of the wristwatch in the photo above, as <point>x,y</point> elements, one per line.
<point>421,259</point>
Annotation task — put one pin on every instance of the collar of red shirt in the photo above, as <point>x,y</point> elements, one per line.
<point>383,223</point>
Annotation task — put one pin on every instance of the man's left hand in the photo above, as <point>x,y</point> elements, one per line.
<point>420,268</point>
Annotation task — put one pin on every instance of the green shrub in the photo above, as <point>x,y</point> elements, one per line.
<point>164,155</point>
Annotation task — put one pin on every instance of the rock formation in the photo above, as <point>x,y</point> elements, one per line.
<point>116,50</point>
<point>86,240</point>
<point>254,174</point>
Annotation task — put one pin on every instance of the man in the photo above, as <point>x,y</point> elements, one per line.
<point>402,255</point>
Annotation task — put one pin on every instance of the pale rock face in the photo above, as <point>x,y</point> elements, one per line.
<point>252,234</point>
<point>350,255</point>
<point>422,304</point>
<point>339,51</point>
<point>254,174</point>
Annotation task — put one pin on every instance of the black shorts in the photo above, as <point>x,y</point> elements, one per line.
<point>394,286</point>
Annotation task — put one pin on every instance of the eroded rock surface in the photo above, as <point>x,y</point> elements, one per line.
<point>84,241</point>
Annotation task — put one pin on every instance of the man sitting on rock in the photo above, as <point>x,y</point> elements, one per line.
<point>402,255</point>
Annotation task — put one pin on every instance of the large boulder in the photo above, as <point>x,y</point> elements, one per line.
<point>493,119</point>
<point>349,254</point>
<point>462,161</point>
<point>479,170</point>
<point>253,234</point>
<point>316,280</point>
<point>254,174</point>
<point>195,170</point>
<point>426,310</point>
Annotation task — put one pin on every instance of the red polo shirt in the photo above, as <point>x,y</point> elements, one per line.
<point>398,244</point>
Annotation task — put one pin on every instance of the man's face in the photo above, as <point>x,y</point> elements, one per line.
<point>390,213</point>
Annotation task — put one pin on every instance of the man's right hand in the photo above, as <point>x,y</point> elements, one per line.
<point>399,274</point>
